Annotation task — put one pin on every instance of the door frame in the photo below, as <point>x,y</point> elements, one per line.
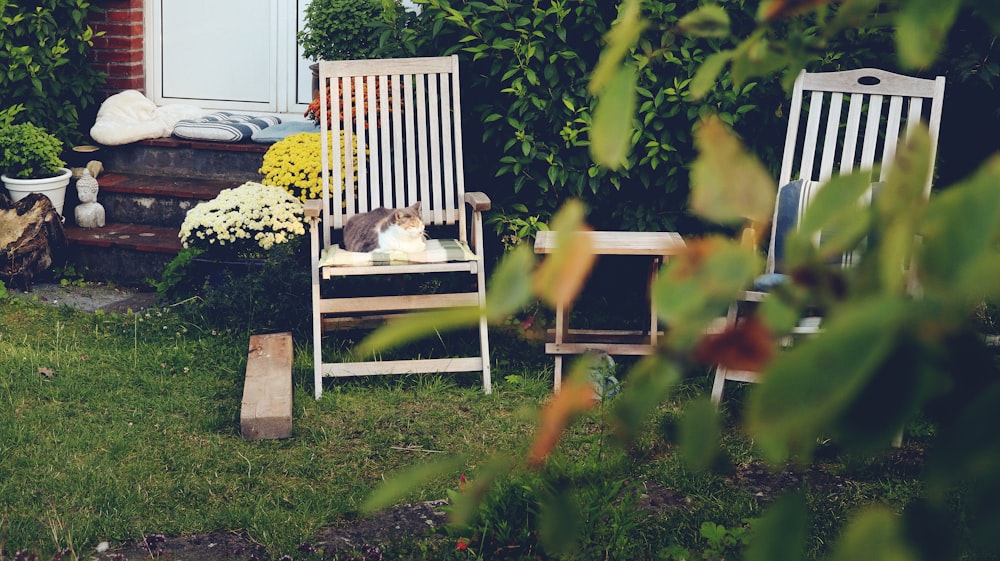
<point>289,70</point>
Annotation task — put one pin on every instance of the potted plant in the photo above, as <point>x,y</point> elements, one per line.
<point>338,30</point>
<point>31,163</point>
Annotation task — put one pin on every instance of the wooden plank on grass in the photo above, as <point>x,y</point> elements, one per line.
<point>267,391</point>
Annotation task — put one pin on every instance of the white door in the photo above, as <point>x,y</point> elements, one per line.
<point>235,55</point>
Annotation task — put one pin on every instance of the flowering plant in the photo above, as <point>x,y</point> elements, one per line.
<point>294,163</point>
<point>244,222</point>
<point>313,111</point>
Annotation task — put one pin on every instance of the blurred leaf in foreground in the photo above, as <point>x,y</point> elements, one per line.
<point>728,183</point>
<point>697,286</point>
<point>874,535</point>
<point>612,129</point>
<point>809,387</point>
<point>709,20</point>
<point>576,396</point>
<point>396,487</point>
<point>561,275</point>
<point>623,35</point>
<point>921,29</point>
<point>780,535</point>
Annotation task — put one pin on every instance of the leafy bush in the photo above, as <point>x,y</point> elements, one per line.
<point>339,29</point>
<point>253,296</point>
<point>526,68</point>
<point>44,48</point>
<point>525,85</point>
<point>29,152</point>
<point>888,354</point>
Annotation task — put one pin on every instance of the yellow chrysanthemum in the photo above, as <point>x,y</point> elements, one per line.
<point>294,163</point>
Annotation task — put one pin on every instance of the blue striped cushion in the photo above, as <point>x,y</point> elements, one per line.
<point>793,199</point>
<point>223,127</point>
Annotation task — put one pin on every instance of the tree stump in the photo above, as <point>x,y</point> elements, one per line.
<point>31,238</point>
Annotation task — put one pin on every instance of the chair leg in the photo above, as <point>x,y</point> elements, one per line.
<point>557,377</point>
<point>484,346</point>
<point>317,317</point>
<point>897,441</point>
<point>718,385</point>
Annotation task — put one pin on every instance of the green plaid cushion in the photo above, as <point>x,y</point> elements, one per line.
<point>437,251</point>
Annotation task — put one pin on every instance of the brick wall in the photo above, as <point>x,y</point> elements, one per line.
<point>119,52</point>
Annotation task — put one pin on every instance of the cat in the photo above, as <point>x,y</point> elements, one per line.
<point>386,229</point>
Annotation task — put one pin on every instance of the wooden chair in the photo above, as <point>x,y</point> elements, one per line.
<point>826,136</point>
<point>399,125</point>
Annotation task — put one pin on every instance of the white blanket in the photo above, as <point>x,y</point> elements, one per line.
<point>129,117</point>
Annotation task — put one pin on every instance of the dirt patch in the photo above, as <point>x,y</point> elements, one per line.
<point>411,520</point>
<point>90,296</point>
<point>363,535</point>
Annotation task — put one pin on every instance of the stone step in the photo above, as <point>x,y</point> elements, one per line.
<point>146,189</point>
<point>125,254</point>
<point>154,200</point>
<point>172,157</point>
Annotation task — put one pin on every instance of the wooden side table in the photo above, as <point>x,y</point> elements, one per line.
<point>658,246</point>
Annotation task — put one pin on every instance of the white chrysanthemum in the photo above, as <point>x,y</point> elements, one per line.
<point>252,217</point>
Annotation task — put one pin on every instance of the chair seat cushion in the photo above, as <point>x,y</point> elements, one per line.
<point>437,251</point>
<point>767,282</point>
<point>223,127</point>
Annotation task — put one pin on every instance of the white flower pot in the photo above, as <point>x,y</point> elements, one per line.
<point>52,187</point>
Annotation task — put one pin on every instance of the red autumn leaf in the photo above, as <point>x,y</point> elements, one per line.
<point>747,346</point>
<point>692,259</point>
<point>576,396</point>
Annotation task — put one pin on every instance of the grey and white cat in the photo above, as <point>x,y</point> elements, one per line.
<point>386,229</point>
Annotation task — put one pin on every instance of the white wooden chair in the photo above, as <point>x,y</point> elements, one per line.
<point>827,136</point>
<point>403,119</point>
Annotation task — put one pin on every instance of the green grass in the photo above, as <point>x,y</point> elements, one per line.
<point>135,431</point>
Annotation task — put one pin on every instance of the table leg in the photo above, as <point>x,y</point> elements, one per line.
<point>562,328</point>
<point>654,269</point>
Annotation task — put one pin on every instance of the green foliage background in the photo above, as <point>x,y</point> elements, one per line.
<point>526,67</point>
<point>899,343</point>
<point>338,29</point>
<point>44,48</point>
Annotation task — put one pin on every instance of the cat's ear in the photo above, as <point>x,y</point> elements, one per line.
<point>415,207</point>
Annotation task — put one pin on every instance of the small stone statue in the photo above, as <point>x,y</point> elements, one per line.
<point>89,213</point>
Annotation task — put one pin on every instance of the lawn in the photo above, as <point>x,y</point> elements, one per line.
<point>115,427</point>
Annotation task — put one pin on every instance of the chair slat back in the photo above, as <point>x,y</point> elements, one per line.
<point>827,136</point>
<point>394,125</point>
<point>824,136</point>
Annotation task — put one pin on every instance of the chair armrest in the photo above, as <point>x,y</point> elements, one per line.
<point>313,208</point>
<point>478,201</point>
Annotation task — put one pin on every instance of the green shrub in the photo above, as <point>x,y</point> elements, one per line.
<point>253,296</point>
<point>526,67</point>
<point>339,29</point>
<point>29,152</point>
<point>44,48</point>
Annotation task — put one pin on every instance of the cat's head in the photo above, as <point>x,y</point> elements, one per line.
<point>409,219</point>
